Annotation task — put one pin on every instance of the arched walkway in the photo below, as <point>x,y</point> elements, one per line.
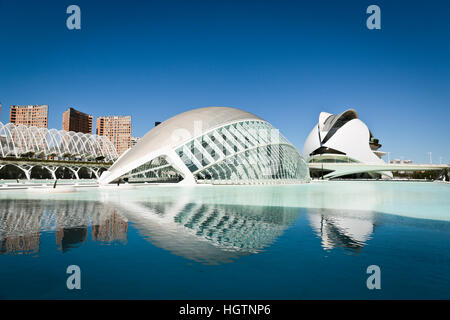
<point>39,172</point>
<point>49,171</point>
<point>11,171</point>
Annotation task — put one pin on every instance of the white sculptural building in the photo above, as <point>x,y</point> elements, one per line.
<point>343,138</point>
<point>213,145</point>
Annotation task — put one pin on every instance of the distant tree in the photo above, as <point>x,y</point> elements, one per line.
<point>28,154</point>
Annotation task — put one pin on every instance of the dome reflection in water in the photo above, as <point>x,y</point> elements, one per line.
<point>203,232</point>
<point>293,241</point>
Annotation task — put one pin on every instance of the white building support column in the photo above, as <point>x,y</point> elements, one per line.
<point>52,170</point>
<point>75,172</point>
<point>95,171</point>
<point>26,169</point>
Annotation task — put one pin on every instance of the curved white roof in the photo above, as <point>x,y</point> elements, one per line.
<point>343,132</point>
<point>181,128</point>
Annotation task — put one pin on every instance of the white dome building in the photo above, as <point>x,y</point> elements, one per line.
<point>343,138</point>
<point>213,145</point>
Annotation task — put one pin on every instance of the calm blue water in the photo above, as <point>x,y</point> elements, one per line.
<point>262,242</point>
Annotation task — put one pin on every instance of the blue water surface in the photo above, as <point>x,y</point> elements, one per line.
<point>312,241</point>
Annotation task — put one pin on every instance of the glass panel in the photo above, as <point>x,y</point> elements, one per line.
<point>155,170</point>
<point>242,153</point>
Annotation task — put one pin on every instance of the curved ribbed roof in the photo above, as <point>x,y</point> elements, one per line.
<point>183,127</point>
<point>18,140</point>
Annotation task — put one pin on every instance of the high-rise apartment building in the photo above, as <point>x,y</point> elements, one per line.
<point>117,129</point>
<point>77,121</point>
<point>30,116</point>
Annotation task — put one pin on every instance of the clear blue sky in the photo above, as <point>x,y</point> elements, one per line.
<point>284,60</point>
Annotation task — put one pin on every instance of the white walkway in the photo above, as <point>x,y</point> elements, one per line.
<point>342,168</point>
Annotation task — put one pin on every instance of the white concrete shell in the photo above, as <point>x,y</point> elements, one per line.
<point>211,145</point>
<point>343,137</point>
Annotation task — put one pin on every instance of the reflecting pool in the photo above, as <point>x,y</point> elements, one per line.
<point>311,241</point>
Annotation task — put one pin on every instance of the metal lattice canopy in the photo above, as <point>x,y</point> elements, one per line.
<point>20,141</point>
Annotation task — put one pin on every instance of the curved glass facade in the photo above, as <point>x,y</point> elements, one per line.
<point>21,141</point>
<point>260,165</point>
<point>246,152</point>
<point>156,170</point>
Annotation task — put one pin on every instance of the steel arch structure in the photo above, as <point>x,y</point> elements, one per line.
<point>18,140</point>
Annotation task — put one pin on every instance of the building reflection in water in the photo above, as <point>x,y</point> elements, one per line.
<point>23,221</point>
<point>209,233</point>
<point>196,230</point>
<point>346,229</point>
<point>20,228</point>
<point>221,233</point>
<point>109,227</point>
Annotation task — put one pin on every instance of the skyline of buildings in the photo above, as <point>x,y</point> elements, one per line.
<point>344,138</point>
<point>116,128</point>
<point>270,74</point>
<point>78,121</point>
